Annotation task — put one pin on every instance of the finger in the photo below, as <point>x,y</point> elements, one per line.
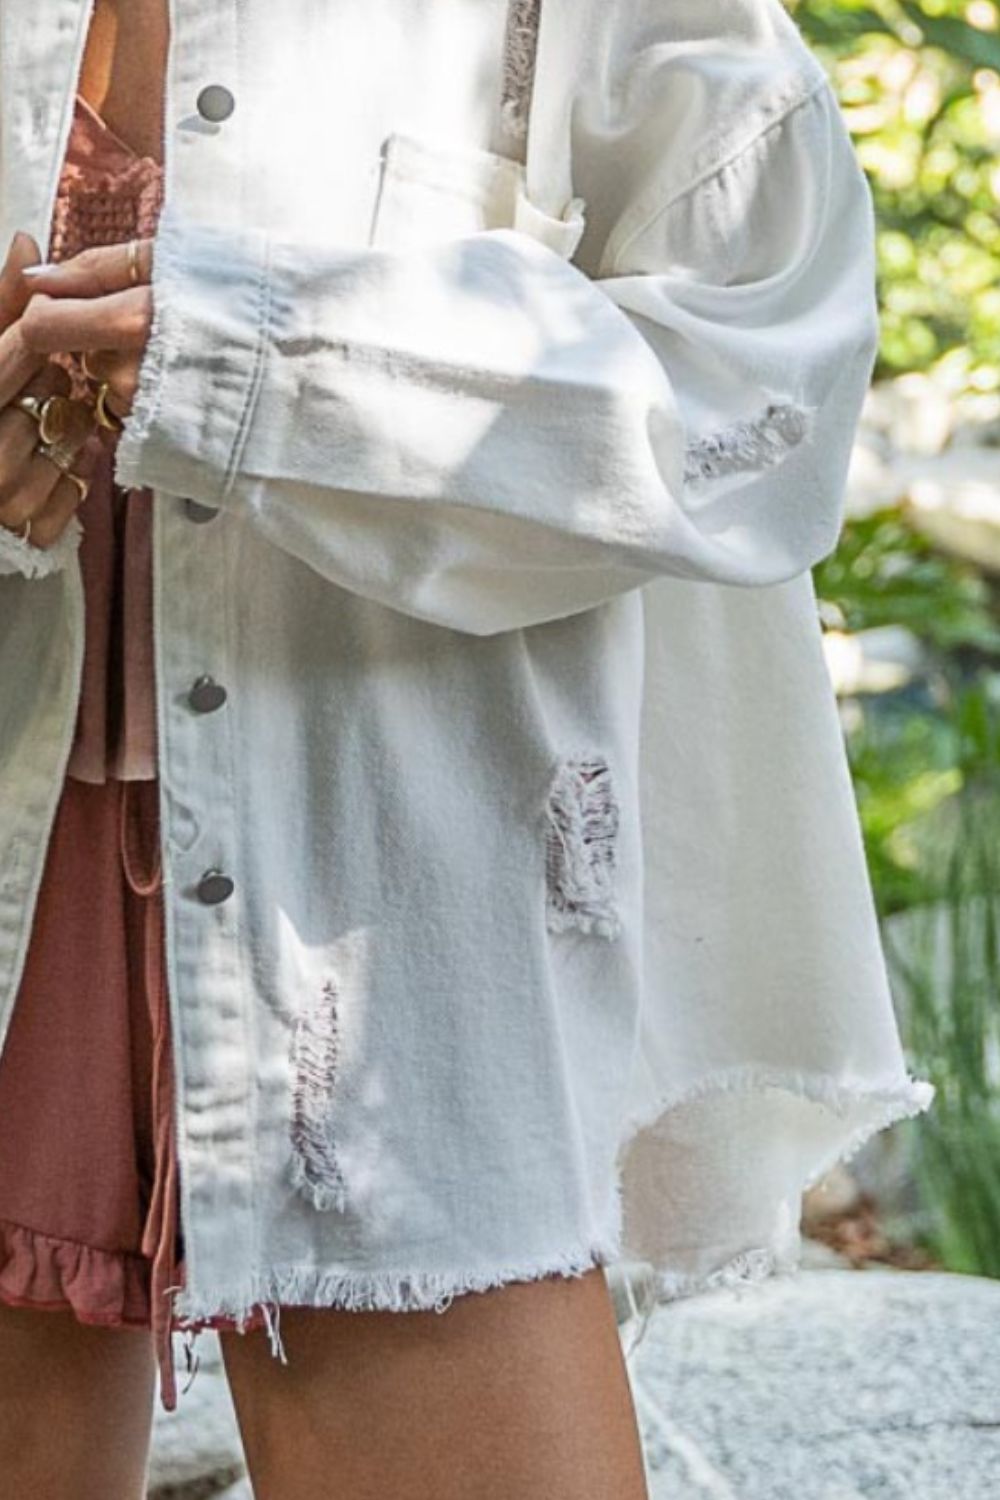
<point>95,272</point>
<point>101,363</point>
<point>15,288</point>
<point>51,380</point>
<point>121,372</point>
<point>44,495</point>
<point>64,498</point>
<point>18,363</point>
<point>18,429</point>
<point>121,320</point>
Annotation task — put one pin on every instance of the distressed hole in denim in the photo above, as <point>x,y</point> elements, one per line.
<point>316,1170</point>
<point>520,46</point>
<point>754,443</point>
<point>581,834</point>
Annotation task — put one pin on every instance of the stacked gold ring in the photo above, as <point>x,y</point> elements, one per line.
<point>63,427</point>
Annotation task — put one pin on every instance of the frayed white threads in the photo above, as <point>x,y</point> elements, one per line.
<point>743,1272</point>
<point>272,1321</point>
<point>520,47</point>
<point>884,1101</point>
<point>582,819</point>
<point>389,1291</point>
<point>158,356</point>
<point>188,1338</point>
<point>754,443</point>
<point>18,555</point>
<point>316,1170</point>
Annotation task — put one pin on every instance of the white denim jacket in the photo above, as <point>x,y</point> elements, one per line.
<point>492,433</point>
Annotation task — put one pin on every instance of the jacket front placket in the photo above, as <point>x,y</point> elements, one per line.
<point>204,894</point>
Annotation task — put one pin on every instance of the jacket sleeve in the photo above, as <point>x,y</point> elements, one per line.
<point>479,434</point>
<point>18,555</point>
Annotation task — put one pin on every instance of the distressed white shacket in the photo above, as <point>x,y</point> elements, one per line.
<point>492,434</point>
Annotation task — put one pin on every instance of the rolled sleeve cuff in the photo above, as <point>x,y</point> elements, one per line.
<point>20,556</point>
<point>200,374</point>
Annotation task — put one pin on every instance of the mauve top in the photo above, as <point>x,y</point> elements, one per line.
<point>108,194</point>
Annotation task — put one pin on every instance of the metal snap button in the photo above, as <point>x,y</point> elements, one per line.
<point>206,694</point>
<point>214,886</point>
<point>197,512</point>
<point>215,103</point>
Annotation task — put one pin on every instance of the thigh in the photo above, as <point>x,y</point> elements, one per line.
<point>76,1407</point>
<point>521,1390</point>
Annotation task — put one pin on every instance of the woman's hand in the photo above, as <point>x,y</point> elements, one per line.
<point>32,487</point>
<point>90,305</point>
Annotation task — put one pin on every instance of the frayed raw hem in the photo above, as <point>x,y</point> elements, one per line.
<point>648,1287</point>
<point>892,1099</point>
<point>18,555</point>
<point>160,351</point>
<point>371,1291</point>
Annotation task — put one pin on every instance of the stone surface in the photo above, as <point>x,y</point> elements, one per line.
<point>196,1450</point>
<point>828,1385</point>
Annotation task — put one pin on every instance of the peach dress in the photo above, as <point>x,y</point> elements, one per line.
<point>89,1192</point>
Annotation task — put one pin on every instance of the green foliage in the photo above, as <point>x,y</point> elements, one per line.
<point>919,86</point>
<point>926,767</point>
<point>883,572</point>
<point>947,973</point>
<point>911,752</point>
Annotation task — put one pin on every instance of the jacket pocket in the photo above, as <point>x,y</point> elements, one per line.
<point>429,191</point>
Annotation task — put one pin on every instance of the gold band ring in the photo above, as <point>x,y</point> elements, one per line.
<point>133,262</point>
<point>62,460</point>
<point>62,421</point>
<point>65,422</point>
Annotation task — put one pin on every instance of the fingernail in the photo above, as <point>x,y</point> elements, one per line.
<point>46,265</point>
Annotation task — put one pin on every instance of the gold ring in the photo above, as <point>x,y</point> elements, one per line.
<point>33,405</point>
<point>65,422</point>
<point>88,373</point>
<point>133,262</point>
<point>83,485</point>
<point>62,422</point>
<point>56,454</point>
<point>62,460</point>
<point>106,417</point>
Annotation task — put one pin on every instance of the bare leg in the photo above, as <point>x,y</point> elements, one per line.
<point>517,1392</point>
<point>76,1407</point>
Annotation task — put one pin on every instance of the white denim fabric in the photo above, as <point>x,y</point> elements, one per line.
<point>551,939</point>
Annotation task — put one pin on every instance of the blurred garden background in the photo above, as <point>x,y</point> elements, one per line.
<point>910,604</point>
